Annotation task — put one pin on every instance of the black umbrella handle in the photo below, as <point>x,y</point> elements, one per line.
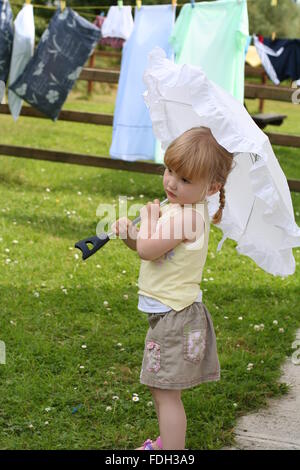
<point>97,243</point>
<point>100,241</point>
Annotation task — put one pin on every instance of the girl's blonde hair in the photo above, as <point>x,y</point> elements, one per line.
<point>196,155</point>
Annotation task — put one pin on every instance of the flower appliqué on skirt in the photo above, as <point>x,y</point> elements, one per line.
<point>152,356</point>
<point>194,344</point>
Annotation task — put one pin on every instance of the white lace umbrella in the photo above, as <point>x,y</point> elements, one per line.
<point>258,213</point>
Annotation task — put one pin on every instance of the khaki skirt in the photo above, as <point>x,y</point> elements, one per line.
<point>180,349</point>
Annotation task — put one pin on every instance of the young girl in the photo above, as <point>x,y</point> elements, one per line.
<point>180,347</point>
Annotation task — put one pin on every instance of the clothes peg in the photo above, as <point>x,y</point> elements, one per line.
<point>139,3</point>
<point>120,3</point>
<point>274,3</point>
<point>62,5</point>
<point>27,2</point>
<point>273,36</point>
<point>193,3</point>
<point>174,3</point>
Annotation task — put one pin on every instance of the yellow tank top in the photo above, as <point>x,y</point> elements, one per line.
<point>174,278</point>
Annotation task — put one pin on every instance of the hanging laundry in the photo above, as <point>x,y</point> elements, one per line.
<point>23,47</point>
<point>99,20</point>
<point>118,23</point>
<point>2,90</point>
<point>213,35</point>
<point>252,57</point>
<point>57,63</point>
<point>133,137</point>
<point>116,43</point>
<point>265,53</point>
<point>6,42</point>
<point>280,58</point>
<point>248,42</point>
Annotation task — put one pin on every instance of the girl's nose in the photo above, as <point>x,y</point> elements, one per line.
<point>172,183</point>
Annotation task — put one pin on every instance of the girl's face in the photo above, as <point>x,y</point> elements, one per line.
<point>181,190</point>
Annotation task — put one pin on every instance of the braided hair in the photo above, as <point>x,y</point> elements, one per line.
<point>218,215</point>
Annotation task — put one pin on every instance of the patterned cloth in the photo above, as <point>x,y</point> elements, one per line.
<point>6,38</point>
<point>57,63</point>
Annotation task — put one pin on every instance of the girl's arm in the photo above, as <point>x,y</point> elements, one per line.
<point>124,229</point>
<point>155,239</point>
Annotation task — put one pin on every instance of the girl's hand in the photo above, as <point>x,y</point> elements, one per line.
<point>151,211</point>
<point>121,227</point>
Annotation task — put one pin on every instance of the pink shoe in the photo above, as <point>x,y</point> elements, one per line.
<point>148,444</point>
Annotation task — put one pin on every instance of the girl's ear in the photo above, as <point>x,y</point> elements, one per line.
<point>214,188</point>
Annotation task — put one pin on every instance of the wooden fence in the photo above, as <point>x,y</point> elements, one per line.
<point>252,91</point>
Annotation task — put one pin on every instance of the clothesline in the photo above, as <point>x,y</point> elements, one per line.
<point>99,7</point>
<point>45,7</point>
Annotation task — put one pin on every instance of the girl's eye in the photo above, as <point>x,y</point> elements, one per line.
<point>185,180</point>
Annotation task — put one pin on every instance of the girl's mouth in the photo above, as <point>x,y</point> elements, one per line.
<point>170,194</point>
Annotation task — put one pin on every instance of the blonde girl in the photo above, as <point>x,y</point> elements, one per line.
<point>180,347</point>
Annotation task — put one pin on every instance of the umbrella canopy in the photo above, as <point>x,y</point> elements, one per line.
<point>258,213</point>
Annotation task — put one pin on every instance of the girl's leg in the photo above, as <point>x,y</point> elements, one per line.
<point>171,417</point>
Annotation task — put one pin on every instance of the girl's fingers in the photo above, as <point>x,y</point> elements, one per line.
<point>114,228</point>
<point>121,226</point>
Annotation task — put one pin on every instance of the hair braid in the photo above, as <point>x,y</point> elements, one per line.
<point>218,215</point>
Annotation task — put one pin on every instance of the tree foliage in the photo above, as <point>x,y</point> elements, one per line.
<point>284,19</point>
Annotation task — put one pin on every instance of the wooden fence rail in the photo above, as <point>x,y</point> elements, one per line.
<point>72,116</point>
<point>285,140</point>
<point>96,161</point>
<point>252,90</point>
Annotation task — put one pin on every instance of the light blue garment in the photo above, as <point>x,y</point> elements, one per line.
<point>133,137</point>
<point>248,42</point>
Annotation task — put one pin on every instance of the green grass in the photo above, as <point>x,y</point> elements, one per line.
<point>52,304</point>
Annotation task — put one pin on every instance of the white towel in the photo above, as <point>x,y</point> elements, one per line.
<point>118,23</point>
<point>23,47</point>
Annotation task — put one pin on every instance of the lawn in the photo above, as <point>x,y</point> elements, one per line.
<point>74,337</point>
